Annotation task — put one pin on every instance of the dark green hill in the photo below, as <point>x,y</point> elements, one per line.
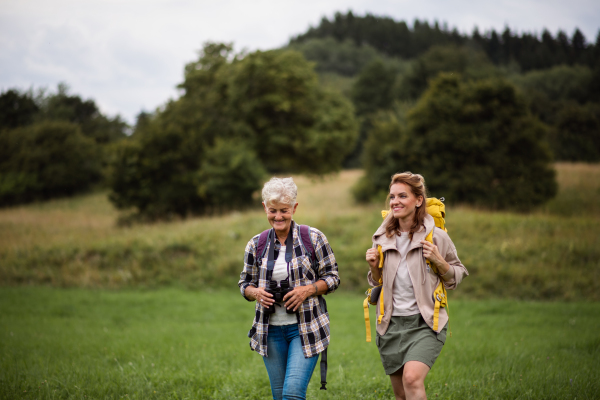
<point>397,39</point>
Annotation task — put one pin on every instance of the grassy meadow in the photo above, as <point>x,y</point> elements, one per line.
<point>549,254</point>
<point>181,344</point>
<point>93,310</point>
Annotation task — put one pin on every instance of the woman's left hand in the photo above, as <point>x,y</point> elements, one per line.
<point>431,253</point>
<point>297,296</point>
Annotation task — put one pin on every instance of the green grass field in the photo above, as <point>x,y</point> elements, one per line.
<point>182,344</point>
<point>93,310</point>
<point>548,254</point>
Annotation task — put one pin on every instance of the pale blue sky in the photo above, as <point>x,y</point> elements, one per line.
<point>129,55</point>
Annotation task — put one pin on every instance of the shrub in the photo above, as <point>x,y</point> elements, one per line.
<point>229,175</point>
<point>473,142</point>
<point>46,160</point>
<point>157,175</point>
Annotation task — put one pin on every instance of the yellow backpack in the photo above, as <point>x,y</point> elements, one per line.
<point>437,210</point>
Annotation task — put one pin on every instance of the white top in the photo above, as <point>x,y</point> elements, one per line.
<point>405,302</point>
<point>280,272</point>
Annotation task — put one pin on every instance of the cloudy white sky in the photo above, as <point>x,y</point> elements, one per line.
<point>129,55</point>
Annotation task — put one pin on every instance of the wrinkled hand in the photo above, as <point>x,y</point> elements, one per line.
<point>431,252</point>
<point>263,298</point>
<point>297,296</point>
<point>373,257</point>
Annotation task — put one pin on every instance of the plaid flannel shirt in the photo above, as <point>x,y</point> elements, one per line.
<point>313,318</point>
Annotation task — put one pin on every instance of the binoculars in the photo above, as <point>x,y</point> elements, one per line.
<point>278,291</point>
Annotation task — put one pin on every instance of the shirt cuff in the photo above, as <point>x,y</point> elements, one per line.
<point>449,275</point>
<point>243,287</point>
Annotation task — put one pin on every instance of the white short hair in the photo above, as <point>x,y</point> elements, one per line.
<point>280,190</point>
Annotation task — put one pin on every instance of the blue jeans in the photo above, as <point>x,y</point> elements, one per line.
<point>289,372</point>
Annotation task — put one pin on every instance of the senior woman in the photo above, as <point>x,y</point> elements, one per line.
<point>286,278</point>
<point>406,339</point>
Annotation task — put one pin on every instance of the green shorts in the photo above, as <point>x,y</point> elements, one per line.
<point>409,339</point>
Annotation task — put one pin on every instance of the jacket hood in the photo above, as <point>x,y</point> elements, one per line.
<point>379,237</point>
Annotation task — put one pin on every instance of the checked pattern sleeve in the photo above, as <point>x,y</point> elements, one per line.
<point>250,273</point>
<point>327,266</point>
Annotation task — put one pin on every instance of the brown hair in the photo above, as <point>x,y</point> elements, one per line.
<point>417,186</point>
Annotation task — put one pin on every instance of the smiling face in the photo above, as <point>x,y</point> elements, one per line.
<point>403,202</point>
<point>280,217</point>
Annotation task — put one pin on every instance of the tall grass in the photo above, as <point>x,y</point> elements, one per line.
<point>552,253</point>
<point>178,344</point>
<point>579,190</point>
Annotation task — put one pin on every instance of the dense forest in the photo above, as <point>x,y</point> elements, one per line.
<point>388,68</point>
<point>396,39</point>
<point>353,92</point>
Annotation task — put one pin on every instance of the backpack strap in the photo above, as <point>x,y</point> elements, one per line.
<point>439,294</point>
<point>262,245</point>
<point>323,369</point>
<point>306,241</point>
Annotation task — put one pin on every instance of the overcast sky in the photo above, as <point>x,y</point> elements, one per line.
<point>129,55</point>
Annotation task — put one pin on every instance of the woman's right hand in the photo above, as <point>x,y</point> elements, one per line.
<point>260,295</point>
<point>373,258</point>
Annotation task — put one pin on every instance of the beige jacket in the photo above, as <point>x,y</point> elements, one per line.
<point>424,280</point>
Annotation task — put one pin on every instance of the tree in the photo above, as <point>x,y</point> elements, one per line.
<point>558,83</point>
<point>345,58</point>
<point>46,160</point>
<point>381,154</point>
<point>470,64</point>
<point>474,142</point>
<point>229,175</point>
<point>238,116</point>
<point>579,46</point>
<point>17,109</point>
<point>596,52</point>
<point>373,89</point>
<point>275,101</point>
<point>85,113</point>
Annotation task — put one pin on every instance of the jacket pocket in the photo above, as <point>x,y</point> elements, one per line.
<point>442,335</point>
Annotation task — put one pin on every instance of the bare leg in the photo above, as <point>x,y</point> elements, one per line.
<point>397,384</point>
<point>408,382</point>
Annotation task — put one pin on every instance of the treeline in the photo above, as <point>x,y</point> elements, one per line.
<point>497,108</point>
<point>396,39</point>
<point>240,116</point>
<point>483,117</point>
<point>52,144</point>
